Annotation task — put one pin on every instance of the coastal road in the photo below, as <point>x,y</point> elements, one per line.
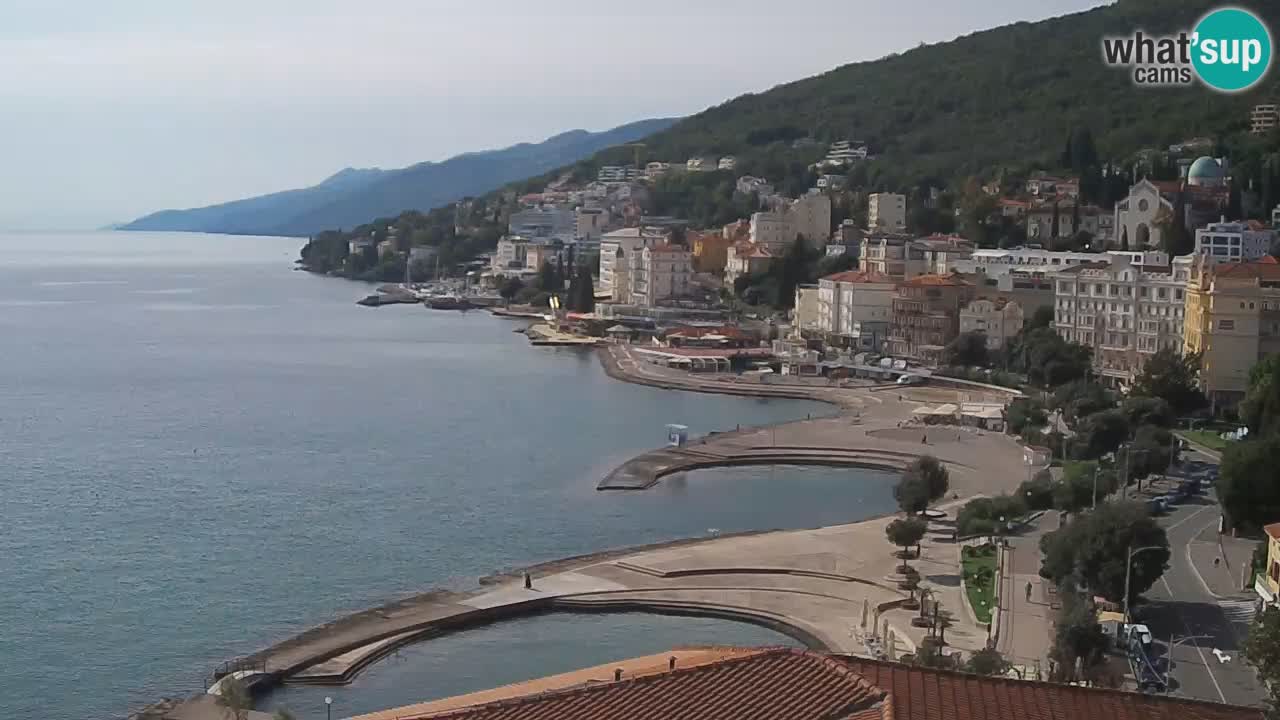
<point>1180,606</point>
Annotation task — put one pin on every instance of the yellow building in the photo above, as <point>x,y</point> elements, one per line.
<point>1267,585</point>
<point>1232,319</point>
<point>710,251</point>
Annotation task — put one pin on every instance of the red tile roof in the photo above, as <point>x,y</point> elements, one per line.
<point>859,276</point>
<point>1272,530</point>
<point>792,684</point>
<point>668,248</point>
<point>780,684</point>
<point>1264,269</point>
<point>923,694</point>
<point>937,281</point>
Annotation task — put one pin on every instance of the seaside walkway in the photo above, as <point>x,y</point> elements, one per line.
<point>825,586</point>
<point>833,588</point>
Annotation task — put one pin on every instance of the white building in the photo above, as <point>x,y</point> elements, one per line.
<point>748,184</point>
<point>1137,216</point>
<point>1264,118</point>
<point>655,170</point>
<point>543,223</point>
<point>509,256</point>
<point>805,315</point>
<point>997,263</point>
<point>728,162</point>
<point>845,152</point>
<point>998,320</point>
<point>701,164</point>
<point>808,216</point>
<point>772,230</point>
<point>659,273</point>
<point>1124,311</point>
<point>618,174</point>
<point>1233,242</point>
<point>855,308</point>
<point>623,243</point>
<point>887,212</point>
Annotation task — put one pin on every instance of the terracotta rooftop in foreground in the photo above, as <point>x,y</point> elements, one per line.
<point>632,668</point>
<point>791,684</point>
<point>922,694</point>
<point>1272,530</point>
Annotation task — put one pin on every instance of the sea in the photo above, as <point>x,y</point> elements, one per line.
<point>204,451</point>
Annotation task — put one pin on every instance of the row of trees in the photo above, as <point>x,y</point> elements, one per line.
<point>550,281</point>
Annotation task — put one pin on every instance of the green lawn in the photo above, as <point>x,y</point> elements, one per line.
<point>1207,438</point>
<point>979,567</point>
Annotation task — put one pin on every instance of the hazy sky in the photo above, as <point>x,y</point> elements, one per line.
<point>113,108</point>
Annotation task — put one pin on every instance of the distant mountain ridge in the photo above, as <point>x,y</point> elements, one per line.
<point>357,195</point>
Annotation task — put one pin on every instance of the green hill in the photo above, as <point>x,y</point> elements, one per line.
<point>1007,96</point>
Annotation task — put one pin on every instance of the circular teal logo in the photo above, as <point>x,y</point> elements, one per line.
<point>1231,49</point>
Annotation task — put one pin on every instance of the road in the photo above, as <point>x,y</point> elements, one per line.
<point>1180,606</point>
<point>1026,621</point>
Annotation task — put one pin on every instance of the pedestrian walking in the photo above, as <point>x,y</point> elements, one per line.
<point>528,581</point>
<point>1028,592</point>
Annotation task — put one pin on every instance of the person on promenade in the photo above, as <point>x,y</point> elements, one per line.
<point>1028,592</point>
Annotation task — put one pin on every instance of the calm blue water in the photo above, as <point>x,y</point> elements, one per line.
<point>203,451</point>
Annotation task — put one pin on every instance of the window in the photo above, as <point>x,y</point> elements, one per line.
<point>1177,294</point>
<point>1161,293</point>
<point>1226,324</point>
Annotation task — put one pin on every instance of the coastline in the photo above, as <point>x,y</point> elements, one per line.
<point>357,640</point>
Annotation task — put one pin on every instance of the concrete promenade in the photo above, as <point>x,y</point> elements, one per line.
<point>833,588</point>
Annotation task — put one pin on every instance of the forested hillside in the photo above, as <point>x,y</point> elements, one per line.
<point>1002,97</point>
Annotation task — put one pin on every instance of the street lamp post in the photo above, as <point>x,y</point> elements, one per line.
<point>1128,570</point>
<point>328,707</point>
<point>1096,470</point>
<point>1168,668</point>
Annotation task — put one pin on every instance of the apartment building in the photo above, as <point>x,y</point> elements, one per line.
<point>1232,320</point>
<point>617,246</point>
<point>808,216</point>
<point>659,273</point>
<point>997,319</point>
<point>845,152</point>
<point>926,316</point>
<point>1124,311</point>
<point>1264,118</point>
<point>1234,241</point>
<point>544,223</point>
<point>655,170</point>
<point>590,223</point>
<point>745,258</point>
<point>618,174</point>
<point>887,212</point>
<point>854,309</point>
<point>942,253</point>
<point>891,254</point>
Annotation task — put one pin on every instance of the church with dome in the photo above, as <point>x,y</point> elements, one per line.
<point>1205,190</point>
